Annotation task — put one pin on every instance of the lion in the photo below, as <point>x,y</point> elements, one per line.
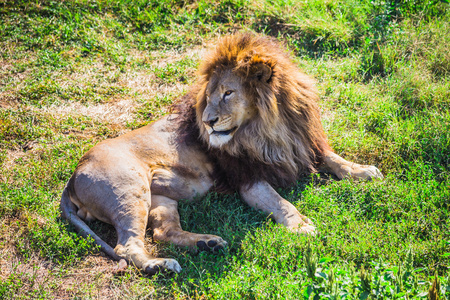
<point>250,124</point>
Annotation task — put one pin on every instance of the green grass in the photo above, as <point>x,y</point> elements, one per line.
<point>73,73</point>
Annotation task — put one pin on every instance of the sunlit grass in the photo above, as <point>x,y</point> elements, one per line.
<point>73,73</point>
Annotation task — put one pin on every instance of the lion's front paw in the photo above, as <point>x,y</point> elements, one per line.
<point>156,265</point>
<point>365,172</point>
<point>211,243</point>
<point>306,229</point>
<point>306,226</point>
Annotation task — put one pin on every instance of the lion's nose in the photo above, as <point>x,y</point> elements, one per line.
<point>211,122</point>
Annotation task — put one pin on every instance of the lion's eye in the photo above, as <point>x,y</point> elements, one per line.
<point>227,93</point>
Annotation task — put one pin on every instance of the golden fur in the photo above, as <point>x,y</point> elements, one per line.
<point>286,132</point>
<point>255,124</point>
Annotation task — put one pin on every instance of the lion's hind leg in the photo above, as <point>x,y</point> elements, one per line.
<point>120,196</point>
<point>130,243</point>
<point>165,222</point>
<point>342,168</point>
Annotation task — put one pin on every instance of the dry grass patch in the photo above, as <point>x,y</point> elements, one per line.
<point>94,276</point>
<point>117,112</point>
<point>9,162</point>
<point>11,81</point>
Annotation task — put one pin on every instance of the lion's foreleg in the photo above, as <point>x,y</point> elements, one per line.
<point>165,222</point>
<point>263,197</point>
<point>342,168</point>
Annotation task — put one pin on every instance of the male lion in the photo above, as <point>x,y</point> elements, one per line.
<point>250,123</point>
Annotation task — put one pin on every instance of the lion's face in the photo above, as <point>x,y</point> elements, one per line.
<point>227,108</point>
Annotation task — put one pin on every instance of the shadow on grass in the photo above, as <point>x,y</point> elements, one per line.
<point>223,215</point>
<point>228,217</point>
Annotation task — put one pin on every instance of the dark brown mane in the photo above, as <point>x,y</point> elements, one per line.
<point>284,140</point>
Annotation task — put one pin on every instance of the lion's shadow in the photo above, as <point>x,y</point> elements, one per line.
<point>223,215</point>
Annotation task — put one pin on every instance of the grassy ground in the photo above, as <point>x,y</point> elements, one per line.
<point>73,73</point>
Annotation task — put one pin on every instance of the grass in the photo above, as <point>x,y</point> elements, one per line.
<point>73,73</point>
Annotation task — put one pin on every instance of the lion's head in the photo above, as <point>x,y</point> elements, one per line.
<point>228,108</point>
<point>255,103</point>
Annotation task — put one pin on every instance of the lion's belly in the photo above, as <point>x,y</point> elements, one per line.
<point>179,182</point>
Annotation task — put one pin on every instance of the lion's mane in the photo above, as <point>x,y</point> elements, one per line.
<point>286,137</point>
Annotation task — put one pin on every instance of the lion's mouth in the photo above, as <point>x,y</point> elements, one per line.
<point>226,132</point>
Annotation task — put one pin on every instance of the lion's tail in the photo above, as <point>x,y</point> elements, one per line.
<point>69,212</point>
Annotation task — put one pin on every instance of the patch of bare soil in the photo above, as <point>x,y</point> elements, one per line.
<point>168,57</point>
<point>9,161</point>
<point>94,277</point>
<point>35,275</point>
<point>10,82</point>
<point>7,100</point>
<point>117,112</point>
<point>141,87</point>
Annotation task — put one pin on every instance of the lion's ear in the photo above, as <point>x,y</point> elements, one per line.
<point>261,72</point>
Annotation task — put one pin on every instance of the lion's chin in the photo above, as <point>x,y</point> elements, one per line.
<point>218,140</point>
